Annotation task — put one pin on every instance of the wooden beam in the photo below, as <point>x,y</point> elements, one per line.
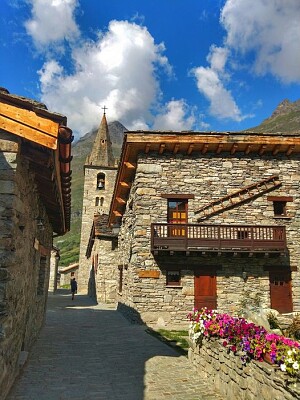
<point>233,148</point>
<point>129,165</point>
<point>28,132</point>
<point>262,149</point>
<point>276,149</point>
<point>248,148</point>
<point>117,213</point>
<point>204,148</point>
<point>125,184</point>
<point>219,148</point>
<point>29,118</point>
<point>290,150</point>
<point>120,200</point>
<point>176,148</point>
<point>162,147</point>
<point>190,148</point>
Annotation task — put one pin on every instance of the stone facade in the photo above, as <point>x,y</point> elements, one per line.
<point>24,259</point>
<point>227,374</point>
<point>54,259</point>
<point>104,271</point>
<point>207,176</point>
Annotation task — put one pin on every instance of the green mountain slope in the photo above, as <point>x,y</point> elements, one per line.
<point>285,119</point>
<point>69,243</point>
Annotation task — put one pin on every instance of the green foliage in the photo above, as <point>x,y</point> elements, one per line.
<point>293,331</point>
<point>273,321</point>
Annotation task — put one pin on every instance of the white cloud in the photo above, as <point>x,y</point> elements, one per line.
<point>270,30</point>
<point>217,57</point>
<point>222,104</point>
<point>118,70</point>
<point>265,37</point>
<point>210,82</point>
<point>52,21</point>
<point>174,117</point>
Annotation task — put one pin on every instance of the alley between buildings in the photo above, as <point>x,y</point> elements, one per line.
<point>87,351</point>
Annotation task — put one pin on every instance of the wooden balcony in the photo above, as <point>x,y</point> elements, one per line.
<point>218,238</point>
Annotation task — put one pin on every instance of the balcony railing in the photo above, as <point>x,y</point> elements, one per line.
<point>195,237</point>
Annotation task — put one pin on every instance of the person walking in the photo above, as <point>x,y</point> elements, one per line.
<point>73,287</point>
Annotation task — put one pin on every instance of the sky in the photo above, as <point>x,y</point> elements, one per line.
<point>202,65</point>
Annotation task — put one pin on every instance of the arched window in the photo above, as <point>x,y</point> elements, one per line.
<point>100,181</point>
<point>97,201</point>
<point>101,201</point>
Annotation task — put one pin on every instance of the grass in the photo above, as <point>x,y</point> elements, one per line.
<point>174,338</point>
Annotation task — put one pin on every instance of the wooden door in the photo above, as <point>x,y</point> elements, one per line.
<point>205,289</point>
<point>280,291</point>
<point>177,214</point>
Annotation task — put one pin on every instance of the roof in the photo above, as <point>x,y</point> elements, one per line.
<point>46,145</point>
<point>189,143</point>
<point>102,154</point>
<point>101,226</point>
<point>69,268</point>
<point>100,230</point>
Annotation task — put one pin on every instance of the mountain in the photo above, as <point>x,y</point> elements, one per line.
<point>285,119</point>
<point>69,243</point>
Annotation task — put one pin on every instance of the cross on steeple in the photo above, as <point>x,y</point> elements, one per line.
<point>104,108</point>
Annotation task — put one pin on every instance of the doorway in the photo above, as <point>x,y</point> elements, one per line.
<point>281,291</point>
<point>205,289</point>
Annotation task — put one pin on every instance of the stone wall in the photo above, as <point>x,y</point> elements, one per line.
<point>226,373</point>
<point>24,261</point>
<point>90,193</point>
<point>105,270</point>
<point>54,259</point>
<point>208,177</point>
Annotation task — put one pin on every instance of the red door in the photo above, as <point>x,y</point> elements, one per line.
<point>280,291</point>
<point>205,289</point>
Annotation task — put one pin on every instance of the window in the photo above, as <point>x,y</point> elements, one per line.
<point>177,211</point>
<point>173,278</point>
<point>280,205</point>
<point>279,208</point>
<point>97,201</point>
<point>177,214</point>
<point>100,181</point>
<point>101,201</point>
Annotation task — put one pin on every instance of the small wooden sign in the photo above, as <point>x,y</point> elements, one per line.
<point>149,274</point>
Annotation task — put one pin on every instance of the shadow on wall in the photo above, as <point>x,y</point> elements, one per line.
<point>92,292</point>
<point>98,352</point>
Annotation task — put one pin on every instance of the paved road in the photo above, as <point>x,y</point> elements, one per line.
<point>88,351</point>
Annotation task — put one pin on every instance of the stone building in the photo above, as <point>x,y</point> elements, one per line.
<point>54,260</point>
<point>100,171</point>
<point>207,219</point>
<point>35,185</point>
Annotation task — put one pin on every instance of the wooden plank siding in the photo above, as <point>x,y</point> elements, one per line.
<point>28,125</point>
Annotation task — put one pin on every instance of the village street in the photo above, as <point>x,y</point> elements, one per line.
<point>88,351</point>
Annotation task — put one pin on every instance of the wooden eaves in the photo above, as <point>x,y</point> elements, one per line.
<point>46,144</point>
<point>188,143</point>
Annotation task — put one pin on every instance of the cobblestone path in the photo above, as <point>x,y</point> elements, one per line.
<point>88,351</point>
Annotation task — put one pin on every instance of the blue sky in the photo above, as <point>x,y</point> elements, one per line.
<point>216,65</point>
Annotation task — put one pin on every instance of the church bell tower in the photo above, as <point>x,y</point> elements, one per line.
<point>100,172</point>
